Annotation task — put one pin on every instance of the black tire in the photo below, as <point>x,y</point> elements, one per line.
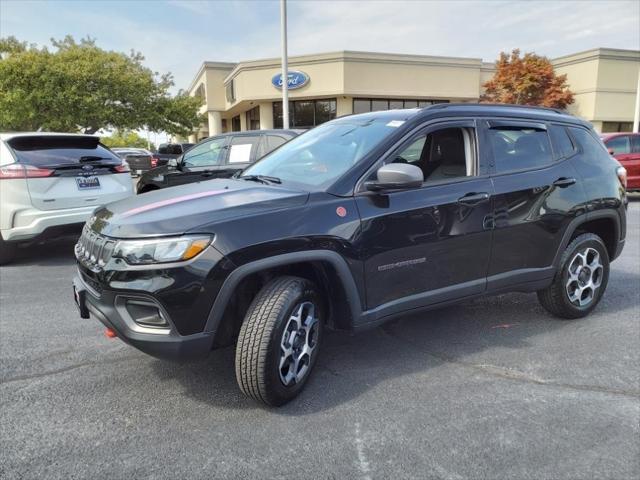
<point>555,298</point>
<point>7,251</point>
<point>258,350</point>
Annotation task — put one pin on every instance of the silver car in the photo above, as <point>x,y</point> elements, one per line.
<point>52,181</point>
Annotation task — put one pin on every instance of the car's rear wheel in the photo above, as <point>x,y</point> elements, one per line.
<point>7,251</point>
<point>279,340</point>
<point>581,281</point>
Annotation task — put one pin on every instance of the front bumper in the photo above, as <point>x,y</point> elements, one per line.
<point>166,343</point>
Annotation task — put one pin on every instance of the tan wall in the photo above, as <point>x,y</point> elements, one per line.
<point>617,84</point>
<point>583,80</point>
<point>411,80</point>
<point>603,80</point>
<point>255,84</point>
<point>215,89</point>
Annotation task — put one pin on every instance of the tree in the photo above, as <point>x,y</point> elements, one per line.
<point>81,87</point>
<point>527,80</point>
<point>125,138</point>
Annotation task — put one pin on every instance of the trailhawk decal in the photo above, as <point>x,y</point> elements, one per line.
<point>171,201</point>
<point>405,263</point>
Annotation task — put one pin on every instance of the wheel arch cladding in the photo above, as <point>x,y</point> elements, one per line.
<point>605,224</point>
<point>325,268</point>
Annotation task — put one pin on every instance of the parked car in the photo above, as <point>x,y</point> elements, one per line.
<point>348,227</point>
<point>139,160</point>
<point>220,156</point>
<point>170,151</point>
<point>625,147</point>
<point>50,182</point>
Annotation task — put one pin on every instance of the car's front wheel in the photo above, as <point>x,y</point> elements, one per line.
<point>279,340</point>
<point>581,280</point>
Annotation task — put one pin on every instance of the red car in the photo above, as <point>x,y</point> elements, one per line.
<point>625,147</point>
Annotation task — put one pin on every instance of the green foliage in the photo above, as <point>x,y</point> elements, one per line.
<point>127,138</point>
<point>81,87</point>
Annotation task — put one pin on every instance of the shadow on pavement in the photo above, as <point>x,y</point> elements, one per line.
<point>350,365</point>
<point>49,253</point>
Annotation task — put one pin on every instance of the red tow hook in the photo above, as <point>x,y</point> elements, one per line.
<point>110,333</point>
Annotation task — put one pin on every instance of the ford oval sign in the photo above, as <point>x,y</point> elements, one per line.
<point>296,80</point>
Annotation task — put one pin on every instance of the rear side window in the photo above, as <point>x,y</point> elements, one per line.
<point>269,144</point>
<point>635,144</point>
<point>519,148</point>
<point>243,149</point>
<point>562,145</point>
<point>587,143</point>
<point>52,151</point>
<point>619,145</point>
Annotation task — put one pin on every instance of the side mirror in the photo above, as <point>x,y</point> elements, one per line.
<point>396,176</point>
<point>172,162</point>
<point>611,151</point>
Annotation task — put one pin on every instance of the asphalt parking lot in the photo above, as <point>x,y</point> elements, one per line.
<point>490,389</point>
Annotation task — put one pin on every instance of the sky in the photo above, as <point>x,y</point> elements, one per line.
<point>178,35</point>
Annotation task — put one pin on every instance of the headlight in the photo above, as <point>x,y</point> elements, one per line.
<point>161,250</point>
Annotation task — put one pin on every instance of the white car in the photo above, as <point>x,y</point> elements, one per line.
<point>54,181</point>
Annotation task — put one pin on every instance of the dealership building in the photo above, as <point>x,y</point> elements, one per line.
<point>247,95</point>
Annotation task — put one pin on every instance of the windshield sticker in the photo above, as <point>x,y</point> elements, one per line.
<point>395,123</point>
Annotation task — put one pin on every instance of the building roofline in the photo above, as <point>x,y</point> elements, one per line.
<point>597,53</point>
<point>356,56</point>
<point>211,66</point>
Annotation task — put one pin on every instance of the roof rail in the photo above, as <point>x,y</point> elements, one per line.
<point>507,105</point>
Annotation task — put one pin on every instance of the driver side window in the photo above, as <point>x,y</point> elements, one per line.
<point>209,153</point>
<point>443,154</point>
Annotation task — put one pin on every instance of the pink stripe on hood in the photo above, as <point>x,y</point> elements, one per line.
<point>170,201</point>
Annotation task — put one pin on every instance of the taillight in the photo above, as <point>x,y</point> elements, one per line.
<point>17,170</point>
<point>122,168</point>
<point>154,162</point>
<point>622,176</point>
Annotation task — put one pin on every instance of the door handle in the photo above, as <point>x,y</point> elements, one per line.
<point>563,182</point>
<point>474,198</point>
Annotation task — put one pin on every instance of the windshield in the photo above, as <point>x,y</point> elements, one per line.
<point>319,157</point>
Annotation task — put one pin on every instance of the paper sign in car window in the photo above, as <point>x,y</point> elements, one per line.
<point>395,123</point>
<point>240,153</point>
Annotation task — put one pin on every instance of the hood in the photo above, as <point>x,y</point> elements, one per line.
<point>176,210</point>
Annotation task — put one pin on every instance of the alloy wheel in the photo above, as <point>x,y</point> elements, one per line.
<point>299,340</point>
<point>584,278</point>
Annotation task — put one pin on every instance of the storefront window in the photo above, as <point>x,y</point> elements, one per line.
<point>253,119</point>
<point>305,113</point>
<point>363,105</point>
<point>235,124</point>
<point>325,111</point>
<point>378,105</point>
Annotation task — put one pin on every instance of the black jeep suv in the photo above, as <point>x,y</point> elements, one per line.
<point>355,222</point>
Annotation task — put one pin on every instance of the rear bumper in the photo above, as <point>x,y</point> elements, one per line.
<point>164,343</point>
<point>30,223</point>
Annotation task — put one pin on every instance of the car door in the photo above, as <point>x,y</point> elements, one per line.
<point>431,244</point>
<point>202,162</point>
<point>535,197</point>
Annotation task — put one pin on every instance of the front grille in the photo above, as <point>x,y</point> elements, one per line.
<point>94,250</point>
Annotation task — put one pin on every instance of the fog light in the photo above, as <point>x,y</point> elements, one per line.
<point>146,314</point>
